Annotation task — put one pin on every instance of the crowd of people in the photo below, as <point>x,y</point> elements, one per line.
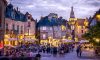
<point>23,50</point>
<point>30,49</point>
<point>57,50</point>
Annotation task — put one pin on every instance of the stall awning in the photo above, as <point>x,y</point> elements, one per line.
<point>83,41</point>
<point>13,39</point>
<point>68,40</point>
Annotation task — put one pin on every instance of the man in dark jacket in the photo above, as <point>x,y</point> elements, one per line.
<point>79,51</point>
<point>38,56</point>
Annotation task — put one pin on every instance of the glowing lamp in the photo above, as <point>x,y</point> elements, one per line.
<point>97,40</point>
<point>98,16</point>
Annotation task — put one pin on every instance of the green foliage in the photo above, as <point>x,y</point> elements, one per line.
<point>94,32</point>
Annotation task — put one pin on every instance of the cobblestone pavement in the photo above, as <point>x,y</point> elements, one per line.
<point>87,55</point>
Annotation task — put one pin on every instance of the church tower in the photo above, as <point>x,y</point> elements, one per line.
<point>72,18</point>
<point>72,13</point>
<point>72,21</point>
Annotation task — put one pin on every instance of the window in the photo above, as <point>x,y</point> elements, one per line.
<point>17,28</point>
<point>7,31</point>
<point>6,26</point>
<point>50,28</point>
<point>82,27</point>
<point>82,31</point>
<point>13,27</point>
<point>21,29</point>
<point>63,28</point>
<point>72,27</point>
<point>44,36</point>
<point>29,24</point>
<point>44,28</point>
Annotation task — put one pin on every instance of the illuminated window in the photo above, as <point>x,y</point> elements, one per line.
<point>44,28</point>
<point>98,16</point>
<point>86,23</point>
<point>79,27</point>
<point>82,31</point>
<point>82,27</point>
<point>44,36</point>
<point>72,27</point>
<point>63,27</point>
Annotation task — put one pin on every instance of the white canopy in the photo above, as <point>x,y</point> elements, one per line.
<point>83,41</point>
<point>12,39</point>
<point>10,46</point>
<point>27,39</point>
<point>68,40</point>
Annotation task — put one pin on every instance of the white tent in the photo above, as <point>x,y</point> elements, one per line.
<point>83,41</point>
<point>12,39</point>
<point>28,39</point>
<point>68,40</point>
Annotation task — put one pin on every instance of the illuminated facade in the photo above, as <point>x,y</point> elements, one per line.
<point>19,27</point>
<point>52,30</point>
<point>78,26</point>
<point>81,27</point>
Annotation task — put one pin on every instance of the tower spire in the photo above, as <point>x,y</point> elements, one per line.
<point>72,13</point>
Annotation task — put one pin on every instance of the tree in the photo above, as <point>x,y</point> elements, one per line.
<point>93,34</point>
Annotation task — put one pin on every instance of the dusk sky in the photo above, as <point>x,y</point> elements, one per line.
<point>82,8</point>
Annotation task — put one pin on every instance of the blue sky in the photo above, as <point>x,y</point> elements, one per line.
<point>38,8</point>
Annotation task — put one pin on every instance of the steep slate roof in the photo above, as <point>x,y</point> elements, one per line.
<point>72,13</point>
<point>97,12</point>
<point>44,22</point>
<point>53,22</point>
<point>17,15</point>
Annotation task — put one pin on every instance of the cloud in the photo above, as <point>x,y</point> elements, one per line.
<point>82,8</point>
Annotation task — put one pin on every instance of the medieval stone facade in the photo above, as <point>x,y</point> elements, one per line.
<point>52,29</point>
<point>19,27</point>
<point>78,26</point>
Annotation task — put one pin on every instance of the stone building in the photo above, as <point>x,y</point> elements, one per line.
<point>78,26</point>
<point>3,4</point>
<point>52,30</point>
<point>19,27</point>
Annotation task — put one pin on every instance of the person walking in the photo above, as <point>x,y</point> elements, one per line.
<point>38,56</point>
<point>79,51</point>
<point>31,54</point>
